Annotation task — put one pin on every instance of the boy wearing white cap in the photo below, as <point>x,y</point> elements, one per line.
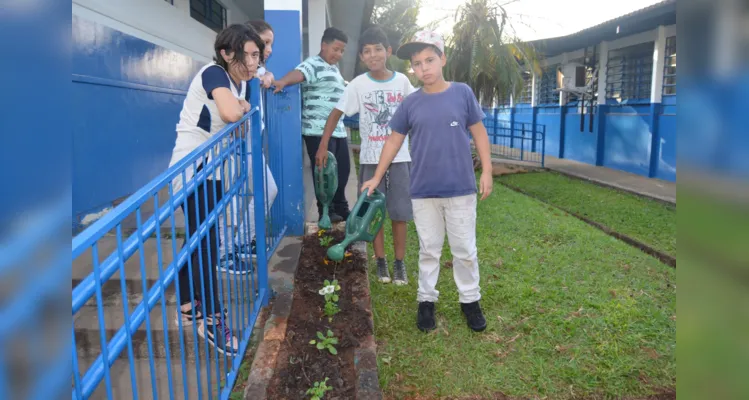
<point>440,120</point>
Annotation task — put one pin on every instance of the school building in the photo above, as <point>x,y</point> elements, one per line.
<point>617,108</point>
<point>133,61</point>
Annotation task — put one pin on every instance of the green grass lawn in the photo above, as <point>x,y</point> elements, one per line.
<point>572,312</point>
<point>648,221</point>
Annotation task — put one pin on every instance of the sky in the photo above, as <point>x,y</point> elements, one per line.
<point>540,19</point>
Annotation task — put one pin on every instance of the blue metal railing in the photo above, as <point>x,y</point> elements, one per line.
<point>522,141</point>
<point>119,353</point>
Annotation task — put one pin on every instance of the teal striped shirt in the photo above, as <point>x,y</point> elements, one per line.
<point>322,88</point>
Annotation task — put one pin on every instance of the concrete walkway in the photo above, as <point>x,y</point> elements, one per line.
<point>649,187</point>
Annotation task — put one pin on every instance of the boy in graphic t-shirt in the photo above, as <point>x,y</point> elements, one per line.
<point>376,95</point>
<point>440,119</point>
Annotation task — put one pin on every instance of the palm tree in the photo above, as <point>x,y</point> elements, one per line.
<point>484,53</point>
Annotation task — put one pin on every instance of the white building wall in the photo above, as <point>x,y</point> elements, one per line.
<point>316,25</point>
<point>159,22</point>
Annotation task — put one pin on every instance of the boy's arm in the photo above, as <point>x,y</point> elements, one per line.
<point>321,159</point>
<point>481,140</point>
<point>389,151</point>
<point>292,78</point>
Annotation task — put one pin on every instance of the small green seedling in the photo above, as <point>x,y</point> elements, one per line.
<point>325,342</point>
<point>325,241</point>
<point>317,392</point>
<point>330,310</point>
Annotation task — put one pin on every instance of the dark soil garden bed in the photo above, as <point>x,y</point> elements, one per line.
<point>300,364</point>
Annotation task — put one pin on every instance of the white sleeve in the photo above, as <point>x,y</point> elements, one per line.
<point>349,101</point>
<point>408,87</point>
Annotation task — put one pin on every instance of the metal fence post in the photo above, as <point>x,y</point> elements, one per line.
<point>543,147</point>
<point>522,141</point>
<point>258,191</point>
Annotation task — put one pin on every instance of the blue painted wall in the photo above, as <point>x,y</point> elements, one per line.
<point>549,117</point>
<point>621,138</point>
<point>579,145</point>
<point>126,97</point>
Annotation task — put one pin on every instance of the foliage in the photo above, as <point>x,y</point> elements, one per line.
<point>484,52</point>
<point>317,392</point>
<point>325,241</point>
<point>331,298</point>
<point>325,342</point>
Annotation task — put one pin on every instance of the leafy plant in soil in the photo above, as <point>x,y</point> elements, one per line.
<point>300,365</point>
<point>324,240</point>
<point>317,392</point>
<point>325,342</point>
<point>330,290</point>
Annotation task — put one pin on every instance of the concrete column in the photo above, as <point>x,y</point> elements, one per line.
<point>534,89</point>
<point>285,111</point>
<point>347,15</point>
<point>603,61</point>
<point>659,53</point>
<point>316,24</point>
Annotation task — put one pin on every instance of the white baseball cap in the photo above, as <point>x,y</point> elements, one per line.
<point>421,38</point>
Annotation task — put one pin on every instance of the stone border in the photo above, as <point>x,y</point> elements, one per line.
<point>661,256</point>
<point>274,333</point>
<point>365,357</point>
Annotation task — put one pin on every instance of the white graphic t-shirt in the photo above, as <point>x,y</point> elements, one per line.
<point>376,101</point>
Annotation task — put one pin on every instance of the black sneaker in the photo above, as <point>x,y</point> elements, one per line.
<point>344,212</point>
<point>383,275</point>
<point>335,217</point>
<point>474,316</point>
<point>425,317</point>
<point>223,341</point>
<point>399,273</point>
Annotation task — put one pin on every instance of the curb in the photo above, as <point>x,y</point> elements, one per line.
<point>274,333</point>
<point>659,255</point>
<point>365,357</point>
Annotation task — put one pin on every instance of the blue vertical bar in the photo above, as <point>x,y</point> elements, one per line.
<point>258,175</point>
<point>562,130</point>
<point>495,123</point>
<point>177,268</point>
<point>100,314</point>
<point>543,147</point>
<point>512,127</point>
<point>534,125</point>
<point>286,56</point>
<point>160,262</point>
<point>126,311</point>
<point>522,142</point>
<point>147,310</point>
<point>655,145</point>
<point>600,132</point>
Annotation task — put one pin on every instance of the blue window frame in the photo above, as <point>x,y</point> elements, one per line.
<point>209,13</point>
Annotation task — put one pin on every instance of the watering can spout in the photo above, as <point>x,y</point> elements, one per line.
<point>363,224</point>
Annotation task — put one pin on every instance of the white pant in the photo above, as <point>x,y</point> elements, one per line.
<point>235,217</point>
<point>457,217</point>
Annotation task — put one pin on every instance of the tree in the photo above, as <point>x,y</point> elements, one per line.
<point>484,53</point>
<point>398,19</point>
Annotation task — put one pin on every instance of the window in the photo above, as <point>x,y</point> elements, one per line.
<point>587,75</point>
<point>546,90</point>
<point>209,13</point>
<point>669,72</point>
<point>526,95</point>
<point>629,73</point>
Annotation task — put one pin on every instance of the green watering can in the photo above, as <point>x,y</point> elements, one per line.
<point>326,184</point>
<point>363,223</point>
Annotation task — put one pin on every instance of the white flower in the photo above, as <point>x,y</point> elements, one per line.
<point>327,290</point>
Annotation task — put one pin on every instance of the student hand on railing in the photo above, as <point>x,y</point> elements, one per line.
<point>266,81</point>
<point>245,106</point>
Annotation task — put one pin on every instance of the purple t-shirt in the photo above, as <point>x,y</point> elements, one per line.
<point>440,141</point>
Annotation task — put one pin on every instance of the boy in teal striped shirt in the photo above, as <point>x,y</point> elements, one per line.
<point>322,87</point>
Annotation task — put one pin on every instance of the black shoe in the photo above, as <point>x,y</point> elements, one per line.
<point>425,317</point>
<point>474,316</point>
<point>335,217</point>
<point>344,212</point>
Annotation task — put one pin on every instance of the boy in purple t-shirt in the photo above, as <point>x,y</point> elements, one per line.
<point>439,118</point>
